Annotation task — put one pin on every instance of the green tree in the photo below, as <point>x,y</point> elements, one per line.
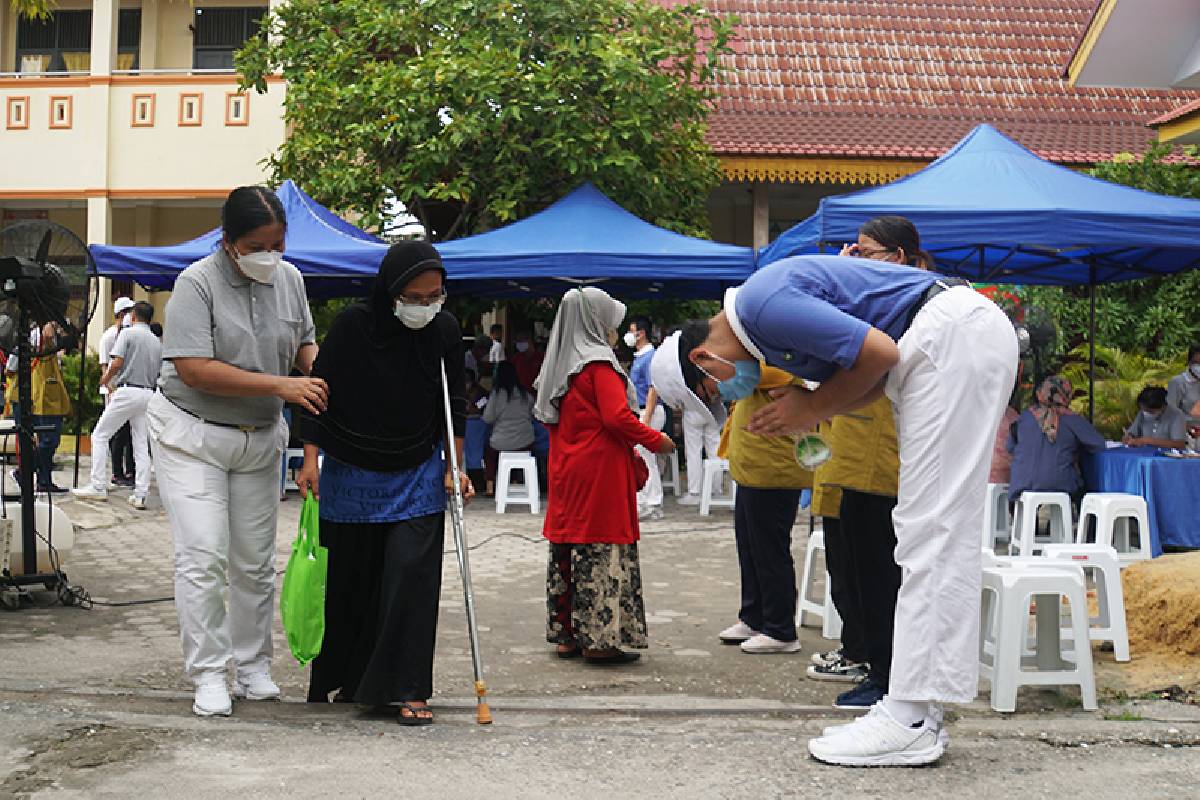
<point>473,113</point>
<point>1158,317</point>
<point>1120,376</point>
<point>33,8</point>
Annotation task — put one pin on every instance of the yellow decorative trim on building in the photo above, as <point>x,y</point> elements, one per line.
<point>794,169</point>
<point>1090,37</point>
<point>1178,128</point>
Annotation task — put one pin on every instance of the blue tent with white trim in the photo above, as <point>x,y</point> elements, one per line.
<point>587,239</point>
<point>990,210</point>
<point>335,257</point>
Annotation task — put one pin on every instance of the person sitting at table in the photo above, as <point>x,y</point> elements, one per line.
<point>1156,424</point>
<point>1045,443</point>
<point>1183,391</point>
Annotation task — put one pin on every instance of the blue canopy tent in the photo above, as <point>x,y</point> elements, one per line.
<point>335,257</point>
<point>587,239</point>
<point>989,210</point>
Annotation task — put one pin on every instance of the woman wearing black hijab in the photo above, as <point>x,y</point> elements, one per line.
<point>383,484</point>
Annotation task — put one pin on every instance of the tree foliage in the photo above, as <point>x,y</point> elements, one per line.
<point>1157,317</point>
<point>33,9</point>
<point>474,113</point>
<point>1120,376</point>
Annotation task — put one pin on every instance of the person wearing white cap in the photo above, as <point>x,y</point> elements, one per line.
<point>946,357</point>
<point>120,447</point>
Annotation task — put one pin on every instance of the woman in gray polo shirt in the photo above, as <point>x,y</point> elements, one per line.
<point>237,323</point>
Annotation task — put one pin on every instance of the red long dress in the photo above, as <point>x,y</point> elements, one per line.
<point>593,488</point>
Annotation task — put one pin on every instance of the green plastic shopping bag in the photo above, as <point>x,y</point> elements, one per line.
<point>302,601</point>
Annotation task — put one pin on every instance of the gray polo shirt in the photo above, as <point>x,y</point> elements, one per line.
<point>1171,425</point>
<point>216,312</point>
<point>1183,392</point>
<point>140,352</point>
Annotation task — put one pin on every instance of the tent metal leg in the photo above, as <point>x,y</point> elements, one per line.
<point>1092,353</point>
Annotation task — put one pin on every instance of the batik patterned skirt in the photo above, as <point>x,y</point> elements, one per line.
<point>594,596</point>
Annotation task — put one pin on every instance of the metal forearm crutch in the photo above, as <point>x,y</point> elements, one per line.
<point>483,714</point>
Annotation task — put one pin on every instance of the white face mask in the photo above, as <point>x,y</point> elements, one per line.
<point>259,267</point>
<point>126,320</point>
<point>416,317</point>
<point>522,347</point>
<point>630,339</point>
<point>1195,371</point>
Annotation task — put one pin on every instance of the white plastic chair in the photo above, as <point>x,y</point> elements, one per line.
<point>831,621</point>
<point>1004,622</point>
<point>671,479</point>
<point>715,470</point>
<point>1101,563</point>
<point>997,523</point>
<point>1114,517</point>
<point>508,494</point>
<point>1024,540</point>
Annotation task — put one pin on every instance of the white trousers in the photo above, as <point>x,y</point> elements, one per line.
<point>701,437</point>
<point>651,495</point>
<point>127,404</point>
<point>220,487</point>
<point>958,362</point>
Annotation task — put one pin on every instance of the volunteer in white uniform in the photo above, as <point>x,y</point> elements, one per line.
<point>701,436</point>
<point>121,308</point>
<point>637,338</point>
<point>131,376</point>
<point>236,324</point>
<point>946,357</point>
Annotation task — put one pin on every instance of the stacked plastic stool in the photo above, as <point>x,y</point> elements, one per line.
<point>1112,516</point>
<point>1100,562</point>
<point>831,621</point>
<point>1024,540</point>
<point>997,523</point>
<point>506,493</point>
<point>1007,592</point>
<point>715,470</point>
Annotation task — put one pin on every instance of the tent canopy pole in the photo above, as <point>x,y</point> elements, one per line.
<point>1092,348</point>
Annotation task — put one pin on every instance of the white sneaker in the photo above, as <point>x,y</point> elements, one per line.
<point>736,634</point>
<point>651,513</point>
<point>137,502</point>
<point>877,740</point>
<point>212,700</point>
<point>761,643</point>
<point>90,492</point>
<point>827,658</point>
<point>690,500</point>
<point>255,686</point>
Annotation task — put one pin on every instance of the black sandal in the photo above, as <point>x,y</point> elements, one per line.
<point>414,718</point>
<point>616,658</point>
<point>574,652</point>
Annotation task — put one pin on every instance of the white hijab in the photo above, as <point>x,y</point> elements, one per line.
<point>667,376</point>
<point>579,337</point>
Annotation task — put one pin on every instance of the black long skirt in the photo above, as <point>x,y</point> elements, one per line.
<point>381,607</point>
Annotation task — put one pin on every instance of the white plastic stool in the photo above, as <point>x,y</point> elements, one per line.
<point>997,523</point>
<point>672,480</point>
<point>1114,515</point>
<point>1024,540</point>
<point>1100,561</point>
<point>831,621</point>
<point>715,470</point>
<point>1007,591</point>
<point>288,455</point>
<point>506,493</point>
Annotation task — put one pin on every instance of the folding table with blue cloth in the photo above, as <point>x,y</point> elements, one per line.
<point>1170,486</point>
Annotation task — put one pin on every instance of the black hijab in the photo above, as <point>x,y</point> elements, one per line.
<point>385,393</point>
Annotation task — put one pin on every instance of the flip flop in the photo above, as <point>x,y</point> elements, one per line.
<point>414,719</point>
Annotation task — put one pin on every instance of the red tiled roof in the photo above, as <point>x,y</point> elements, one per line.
<point>908,78</point>
<point>1175,113</point>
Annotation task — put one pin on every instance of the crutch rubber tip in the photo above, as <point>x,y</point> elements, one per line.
<point>483,714</point>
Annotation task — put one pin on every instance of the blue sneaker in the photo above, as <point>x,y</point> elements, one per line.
<point>862,696</point>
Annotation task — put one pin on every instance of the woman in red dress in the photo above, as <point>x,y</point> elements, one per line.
<point>594,584</point>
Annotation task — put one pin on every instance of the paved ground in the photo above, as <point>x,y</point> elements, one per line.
<point>97,706</point>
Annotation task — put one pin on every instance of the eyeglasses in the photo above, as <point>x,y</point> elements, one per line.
<point>426,300</point>
<point>871,254</point>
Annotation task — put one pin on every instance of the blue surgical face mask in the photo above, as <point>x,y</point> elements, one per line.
<point>746,375</point>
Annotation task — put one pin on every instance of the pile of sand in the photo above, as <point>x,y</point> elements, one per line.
<point>1162,608</point>
<point>1162,604</point>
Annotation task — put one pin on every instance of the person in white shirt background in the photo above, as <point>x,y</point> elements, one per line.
<point>120,447</point>
<point>637,339</point>
<point>1183,391</point>
<point>496,354</point>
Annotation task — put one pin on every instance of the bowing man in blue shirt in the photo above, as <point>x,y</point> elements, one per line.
<point>946,356</point>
